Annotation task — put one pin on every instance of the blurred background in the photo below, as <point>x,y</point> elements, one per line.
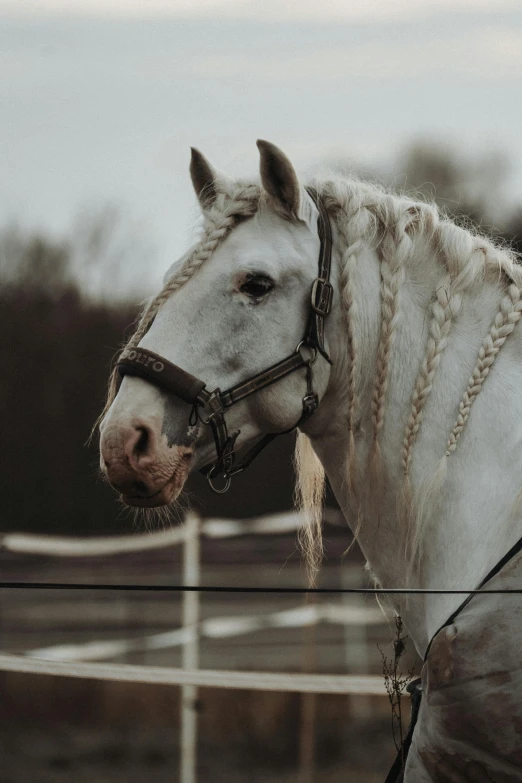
<point>100,102</point>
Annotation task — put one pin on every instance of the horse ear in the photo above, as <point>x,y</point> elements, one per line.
<point>282,186</point>
<point>204,179</point>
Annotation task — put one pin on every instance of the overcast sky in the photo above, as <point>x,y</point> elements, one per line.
<point>100,101</point>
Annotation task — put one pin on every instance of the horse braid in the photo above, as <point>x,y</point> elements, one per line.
<point>394,250</point>
<point>503,325</point>
<point>444,309</point>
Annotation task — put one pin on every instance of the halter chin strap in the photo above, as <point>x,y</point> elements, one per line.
<point>209,407</point>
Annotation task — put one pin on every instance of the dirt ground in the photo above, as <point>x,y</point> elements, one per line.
<point>61,730</point>
<point>72,755</point>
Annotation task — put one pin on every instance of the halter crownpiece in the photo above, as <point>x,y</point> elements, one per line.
<point>209,406</point>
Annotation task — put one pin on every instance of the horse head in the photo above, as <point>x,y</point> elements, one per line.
<point>236,304</point>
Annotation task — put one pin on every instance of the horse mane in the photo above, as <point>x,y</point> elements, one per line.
<point>366,214</point>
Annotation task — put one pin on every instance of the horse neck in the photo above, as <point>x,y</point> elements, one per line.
<point>471,518</point>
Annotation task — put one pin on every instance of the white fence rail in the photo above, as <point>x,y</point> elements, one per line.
<point>61,546</point>
<point>213,628</point>
<point>202,678</point>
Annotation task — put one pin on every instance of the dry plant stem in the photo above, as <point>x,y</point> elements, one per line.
<point>396,683</point>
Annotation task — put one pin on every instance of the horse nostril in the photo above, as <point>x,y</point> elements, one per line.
<point>142,443</point>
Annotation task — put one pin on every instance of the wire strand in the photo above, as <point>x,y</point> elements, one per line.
<point>259,590</point>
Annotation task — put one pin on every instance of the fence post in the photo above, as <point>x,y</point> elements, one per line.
<point>190,651</point>
<point>308,705</point>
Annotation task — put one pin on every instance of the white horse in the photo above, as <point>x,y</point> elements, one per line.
<point>418,429</point>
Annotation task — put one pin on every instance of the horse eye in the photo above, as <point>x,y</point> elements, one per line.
<point>257,286</point>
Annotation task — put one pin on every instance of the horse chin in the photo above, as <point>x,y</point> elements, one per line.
<point>164,497</point>
<point>167,494</point>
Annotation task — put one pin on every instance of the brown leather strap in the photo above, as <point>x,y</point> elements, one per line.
<point>322,289</point>
<point>263,379</point>
<point>151,366</point>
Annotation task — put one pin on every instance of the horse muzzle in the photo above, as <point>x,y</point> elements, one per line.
<point>139,464</point>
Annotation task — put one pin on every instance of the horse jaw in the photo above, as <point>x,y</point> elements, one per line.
<point>179,466</point>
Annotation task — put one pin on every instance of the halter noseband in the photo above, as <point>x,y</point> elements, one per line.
<point>210,406</point>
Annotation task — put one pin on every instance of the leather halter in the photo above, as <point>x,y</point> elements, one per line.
<point>210,406</point>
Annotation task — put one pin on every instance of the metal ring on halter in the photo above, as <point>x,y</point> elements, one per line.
<point>311,348</point>
<point>228,482</point>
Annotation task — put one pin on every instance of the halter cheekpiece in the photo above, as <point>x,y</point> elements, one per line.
<point>209,407</point>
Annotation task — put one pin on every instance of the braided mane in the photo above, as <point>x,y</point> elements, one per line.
<point>368,216</point>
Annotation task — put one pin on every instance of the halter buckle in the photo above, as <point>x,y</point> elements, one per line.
<point>322,296</point>
<point>228,455</point>
<point>213,404</point>
<point>310,405</point>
